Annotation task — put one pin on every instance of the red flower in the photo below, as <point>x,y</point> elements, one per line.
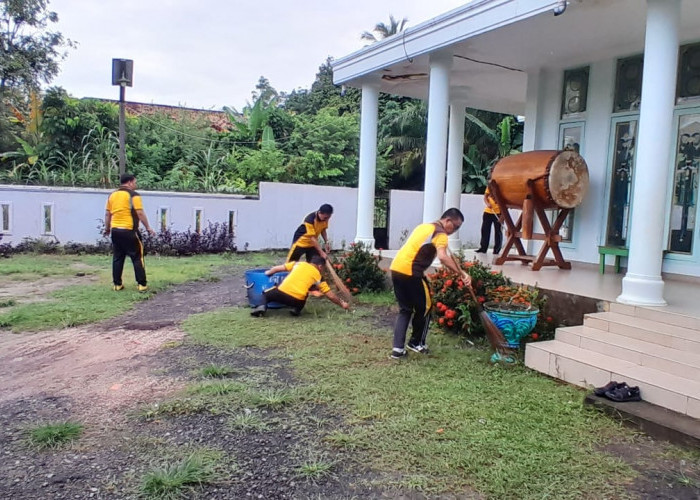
<point>448,283</point>
<point>450,323</point>
<point>347,280</point>
<point>481,299</point>
<point>450,313</point>
<point>441,321</point>
<point>549,319</point>
<point>535,336</point>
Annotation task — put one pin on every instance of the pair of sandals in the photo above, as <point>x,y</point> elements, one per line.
<point>618,392</point>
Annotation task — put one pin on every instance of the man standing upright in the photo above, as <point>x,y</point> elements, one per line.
<point>123,213</point>
<point>305,240</point>
<point>410,286</point>
<point>490,218</point>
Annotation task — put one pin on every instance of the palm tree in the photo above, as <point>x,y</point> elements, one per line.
<point>385,30</point>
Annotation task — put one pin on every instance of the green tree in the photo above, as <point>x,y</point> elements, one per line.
<point>324,149</point>
<point>402,131</point>
<point>30,50</point>
<point>382,30</point>
<point>323,94</point>
<point>30,53</point>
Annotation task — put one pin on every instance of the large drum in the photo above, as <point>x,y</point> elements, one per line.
<point>560,178</point>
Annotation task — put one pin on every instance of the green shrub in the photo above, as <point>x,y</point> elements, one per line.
<point>360,270</point>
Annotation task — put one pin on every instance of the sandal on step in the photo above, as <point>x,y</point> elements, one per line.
<point>624,394</point>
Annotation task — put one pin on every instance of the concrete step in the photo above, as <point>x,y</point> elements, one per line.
<point>592,369</point>
<point>659,314</point>
<point>656,421</point>
<point>683,364</point>
<point>676,337</point>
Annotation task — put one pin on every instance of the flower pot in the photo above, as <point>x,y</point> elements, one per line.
<point>514,320</point>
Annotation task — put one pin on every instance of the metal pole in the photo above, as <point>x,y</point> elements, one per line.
<point>122,129</point>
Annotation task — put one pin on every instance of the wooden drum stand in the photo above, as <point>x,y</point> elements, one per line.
<point>523,229</point>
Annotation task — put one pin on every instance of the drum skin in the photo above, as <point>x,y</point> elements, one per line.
<point>560,178</point>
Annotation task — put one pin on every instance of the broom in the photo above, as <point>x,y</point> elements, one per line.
<point>339,283</point>
<point>493,334</point>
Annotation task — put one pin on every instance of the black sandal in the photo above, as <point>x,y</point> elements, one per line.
<point>624,394</point>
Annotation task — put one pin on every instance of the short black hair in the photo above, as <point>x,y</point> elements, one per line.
<point>317,260</point>
<point>126,178</point>
<point>326,209</point>
<point>453,214</point>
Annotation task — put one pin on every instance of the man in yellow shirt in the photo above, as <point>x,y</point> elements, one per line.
<point>123,213</point>
<point>305,240</point>
<point>293,291</point>
<point>410,286</point>
<point>490,218</point>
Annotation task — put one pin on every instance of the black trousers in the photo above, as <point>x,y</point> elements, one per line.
<point>415,304</point>
<point>275,295</point>
<point>296,252</point>
<point>489,220</point>
<point>126,242</point>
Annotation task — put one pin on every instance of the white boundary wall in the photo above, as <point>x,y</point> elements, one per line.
<point>263,222</point>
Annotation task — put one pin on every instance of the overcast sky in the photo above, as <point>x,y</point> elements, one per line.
<point>210,53</point>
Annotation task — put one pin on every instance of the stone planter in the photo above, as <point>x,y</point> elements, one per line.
<point>514,320</point>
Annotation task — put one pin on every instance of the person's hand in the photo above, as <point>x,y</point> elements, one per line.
<point>466,278</point>
<point>344,305</point>
<point>268,273</point>
<point>327,248</point>
<point>323,254</point>
<point>316,293</point>
<point>106,232</point>
<point>151,231</point>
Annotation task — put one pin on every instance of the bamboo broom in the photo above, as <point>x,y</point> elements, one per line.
<point>342,289</point>
<point>493,334</point>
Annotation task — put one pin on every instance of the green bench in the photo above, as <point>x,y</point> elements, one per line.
<point>616,251</point>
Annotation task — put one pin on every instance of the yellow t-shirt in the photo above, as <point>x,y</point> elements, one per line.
<point>492,208</point>
<point>119,205</point>
<point>311,227</point>
<point>416,255</point>
<point>302,277</point>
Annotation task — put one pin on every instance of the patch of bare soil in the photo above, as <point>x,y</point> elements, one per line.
<point>104,374</point>
<point>37,290</point>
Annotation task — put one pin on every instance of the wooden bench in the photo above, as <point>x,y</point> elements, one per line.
<point>616,251</point>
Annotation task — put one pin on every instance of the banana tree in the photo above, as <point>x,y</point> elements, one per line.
<point>255,123</point>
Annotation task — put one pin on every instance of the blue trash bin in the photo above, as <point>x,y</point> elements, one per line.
<point>256,282</point>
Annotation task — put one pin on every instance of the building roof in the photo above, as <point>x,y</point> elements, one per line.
<point>495,43</point>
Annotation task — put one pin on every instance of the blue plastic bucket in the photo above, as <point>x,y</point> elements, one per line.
<point>256,282</point>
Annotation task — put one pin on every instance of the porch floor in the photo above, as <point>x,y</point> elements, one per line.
<point>583,279</point>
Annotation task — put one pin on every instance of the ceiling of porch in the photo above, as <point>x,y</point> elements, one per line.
<point>490,68</point>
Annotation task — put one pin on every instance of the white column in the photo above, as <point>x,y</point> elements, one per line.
<point>436,143</point>
<point>368,164</point>
<point>455,151</point>
<point>642,285</point>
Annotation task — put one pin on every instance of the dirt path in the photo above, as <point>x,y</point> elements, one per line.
<point>103,367</point>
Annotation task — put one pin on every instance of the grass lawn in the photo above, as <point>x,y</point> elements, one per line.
<point>93,299</point>
<point>443,422</point>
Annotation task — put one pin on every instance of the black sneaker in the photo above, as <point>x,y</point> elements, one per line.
<point>479,251</point>
<point>295,312</point>
<point>259,311</point>
<point>610,386</point>
<point>420,349</point>
<point>396,354</point>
